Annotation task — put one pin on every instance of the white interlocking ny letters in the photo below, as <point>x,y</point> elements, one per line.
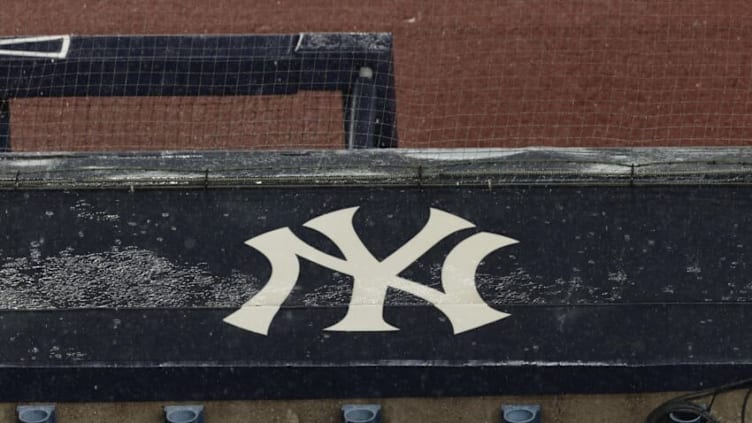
<point>459,301</point>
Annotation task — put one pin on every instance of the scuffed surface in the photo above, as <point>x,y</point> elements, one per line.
<point>117,278</point>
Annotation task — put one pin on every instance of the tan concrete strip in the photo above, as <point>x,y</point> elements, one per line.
<point>632,408</point>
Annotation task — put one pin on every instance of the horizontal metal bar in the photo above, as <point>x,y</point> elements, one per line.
<point>465,167</point>
<point>190,65</point>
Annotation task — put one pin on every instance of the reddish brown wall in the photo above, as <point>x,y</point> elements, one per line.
<point>497,73</point>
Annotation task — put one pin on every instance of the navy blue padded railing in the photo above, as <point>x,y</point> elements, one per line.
<point>359,65</point>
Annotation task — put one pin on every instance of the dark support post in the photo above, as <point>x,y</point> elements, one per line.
<point>360,119</point>
<point>4,125</point>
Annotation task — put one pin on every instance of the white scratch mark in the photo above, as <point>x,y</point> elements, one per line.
<point>62,54</point>
<point>300,41</point>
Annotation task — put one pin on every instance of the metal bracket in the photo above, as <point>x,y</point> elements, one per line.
<point>360,65</point>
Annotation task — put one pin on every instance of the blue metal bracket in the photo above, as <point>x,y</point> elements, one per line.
<point>39,413</point>
<point>361,413</point>
<point>184,414</point>
<point>516,413</point>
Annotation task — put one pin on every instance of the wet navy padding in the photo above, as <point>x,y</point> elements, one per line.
<point>631,274</point>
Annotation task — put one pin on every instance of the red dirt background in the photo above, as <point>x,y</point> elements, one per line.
<point>477,73</point>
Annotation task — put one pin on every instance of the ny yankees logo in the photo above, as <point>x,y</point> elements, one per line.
<point>459,301</point>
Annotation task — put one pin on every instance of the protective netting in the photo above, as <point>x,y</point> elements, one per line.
<point>468,74</point>
<point>307,120</point>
